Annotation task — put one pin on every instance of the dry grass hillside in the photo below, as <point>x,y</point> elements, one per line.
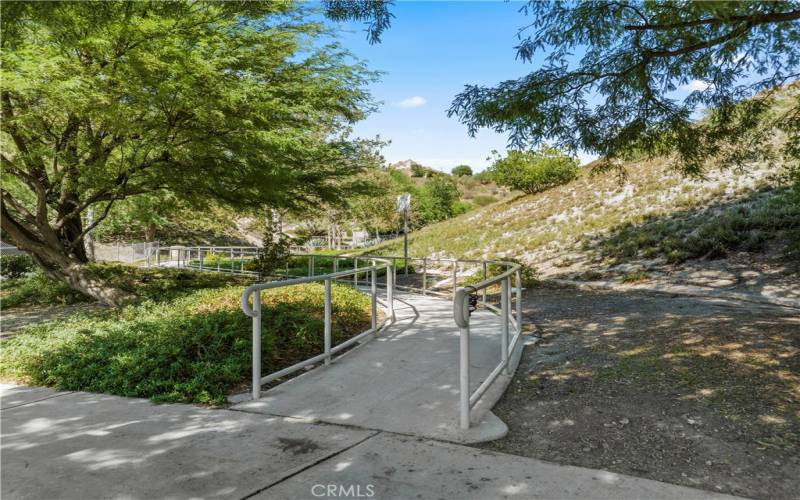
<point>656,224</point>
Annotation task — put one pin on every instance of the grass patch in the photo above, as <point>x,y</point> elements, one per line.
<point>634,277</point>
<point>157,284</point>
<point>745,226</point>
<point>191,346</point>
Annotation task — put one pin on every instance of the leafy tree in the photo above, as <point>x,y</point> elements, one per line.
<point>438,198</point>
<point>274,252</point>
<point>418,170</point>
<point>375,211</point>
<point>534,171</point>
<point>239,102</point>
<point>462,170</point>
<point>619,96</point>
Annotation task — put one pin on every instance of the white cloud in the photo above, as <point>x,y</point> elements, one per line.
<point>412,102</point>
<point>696,85</point>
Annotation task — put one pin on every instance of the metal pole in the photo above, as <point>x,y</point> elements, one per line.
<point>257,344</point>
<point>484,279</point>
<point>216,254</point>
<point>519,302</point>
<point>200,253</point>
<point>241,259</point>
<point>374,295</point>
<point>336,264</point>
<point>355,275</point>
<point>405,239</point>
<point>310,265</point>
<point>158,254</point>
<point>424,275</point>
<point>327,321</point>
<point>504,296</point>
<point>463,367</point>
<point>390,291</point>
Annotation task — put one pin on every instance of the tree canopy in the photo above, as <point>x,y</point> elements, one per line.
<point>245,103</point>
<point>609,72</point>
<point>461,170</point>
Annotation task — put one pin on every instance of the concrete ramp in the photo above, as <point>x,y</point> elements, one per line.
<point>405,380</point>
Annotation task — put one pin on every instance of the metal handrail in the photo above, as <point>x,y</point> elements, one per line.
<point>461,315</point>
<point>329,350</point>
<point>460,308</point>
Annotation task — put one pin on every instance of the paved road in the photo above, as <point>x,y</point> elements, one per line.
<point>74,445</point>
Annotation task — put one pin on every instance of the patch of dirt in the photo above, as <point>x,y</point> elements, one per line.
<point>18,318</point>
<point>695,391</point>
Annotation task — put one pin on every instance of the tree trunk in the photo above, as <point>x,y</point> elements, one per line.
<point>63,260</point>
<point>78,276</point>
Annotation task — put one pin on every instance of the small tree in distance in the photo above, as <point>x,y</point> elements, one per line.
<point>274,252</point>
<point>534,171</point>
<point>462,171</point>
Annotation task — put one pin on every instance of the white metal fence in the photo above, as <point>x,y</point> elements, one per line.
<point>467,282</point>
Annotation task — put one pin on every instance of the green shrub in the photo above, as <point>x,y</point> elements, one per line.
<point>534,171</point>
<point>195,348</point>
<point>36,289</point>
<point>462,171</point>
<point>16,266</point>
<point>156,284</point>
<point>438,199</point>
<point>483,200</point>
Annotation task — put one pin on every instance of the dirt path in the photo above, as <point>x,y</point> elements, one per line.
<point>694,391</point>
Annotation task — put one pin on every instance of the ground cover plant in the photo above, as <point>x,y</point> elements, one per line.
<point>187,345</point>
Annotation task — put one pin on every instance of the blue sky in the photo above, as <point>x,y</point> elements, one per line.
<point>430,52</point>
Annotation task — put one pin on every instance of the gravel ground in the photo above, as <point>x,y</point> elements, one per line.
<point>692,391</point>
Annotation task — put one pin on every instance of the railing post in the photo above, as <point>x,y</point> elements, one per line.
<point>424,276</point>
<point>504,292</point>
<point>310,265</point>
<point>390,290</point>
<point>519,301</point>
<point>257,344</point>
<point>241,260</point>
<point>287,268</point>
<point>374,297</point>
<point>200,253</point>
<point>336,264</point>
<point>158,255</point>
<point>484,279</point>
<point>327,321</point>
<point>355,275</point>
<point>463,368</point>
<point>213,252</point>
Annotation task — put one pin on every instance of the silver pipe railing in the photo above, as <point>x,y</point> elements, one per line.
<point>461,314</point>
<point>509,315</point>
<point>253,292</point>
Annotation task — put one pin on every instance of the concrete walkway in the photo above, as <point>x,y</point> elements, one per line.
<point>405,380</point>
<point>74,445</point>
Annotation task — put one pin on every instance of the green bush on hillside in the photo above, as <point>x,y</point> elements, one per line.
<point>462,171</point>
<point>534,171</point>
